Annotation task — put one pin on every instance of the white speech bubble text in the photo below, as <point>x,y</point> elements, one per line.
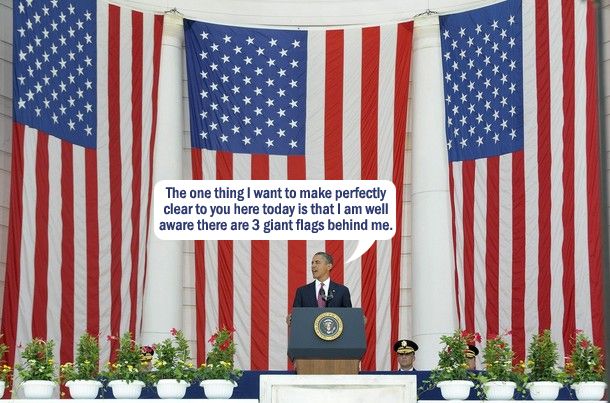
<point>276,210</point>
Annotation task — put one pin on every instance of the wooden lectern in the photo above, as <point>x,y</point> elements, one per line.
<point>327,341</point>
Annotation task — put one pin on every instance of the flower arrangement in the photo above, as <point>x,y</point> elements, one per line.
<point>542,359</point>
<point>585,362</point>
<point>86,365</point>
<point>498,357</point>
<point>219,362</point>
<point>173,359</point>
<point>38,361</point>
<point>5,370</point>
<point>452,363</point>
<point>128,363</point>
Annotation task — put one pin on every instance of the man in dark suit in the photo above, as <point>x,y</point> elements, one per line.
<point>322,292</point>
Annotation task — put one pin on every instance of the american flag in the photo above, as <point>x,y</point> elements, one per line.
<point>85,80</point>
<point>522,137</point>
<point>293,105</point>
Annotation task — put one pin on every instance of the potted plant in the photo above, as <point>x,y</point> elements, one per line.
<point>173,369</point>
<point>500,379</point>
<point>451,374</point>
<point>125,373</point>
<point>218,375</point>
<point>5,370</point>
<point>37,370</point>
<point>585,370</point>
<point>543,376</point>
<point>81,376</point>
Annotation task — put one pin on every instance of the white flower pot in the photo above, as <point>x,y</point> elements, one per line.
<point>455,390</point>
<point>84,389</point>
<point>218,388</point>
<point>543,390</point>
<point>38,389</point>
<point>589,390</point>
<point>499,390</point>
<point>126,390</point>
<point>171,388</point>
<point>2,387</point>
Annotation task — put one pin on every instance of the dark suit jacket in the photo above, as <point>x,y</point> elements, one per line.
<point>306,296</point>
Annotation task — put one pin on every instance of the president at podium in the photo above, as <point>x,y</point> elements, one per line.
<point>322,292</point>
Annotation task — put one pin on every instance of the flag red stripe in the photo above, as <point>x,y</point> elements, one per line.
<point>12,280</point>
<point>41,255</point>
<point>224,171</point>
<point>543,88</point>
<point>401,96</point>
<point>297,250</point>
<point>456,276</point>
<point>114,160</point>
<point>199,251</point>
<point>492,242</point>
<point>259,297</point>
<point>368,152</point>
<point>468,179</point>
<point>518,256</point>
<point>594,217</point>
<point>569,300</point>
<point>333,130</point>
<point>67,254</point>
<point>93,248</point>
<point>136,159</point>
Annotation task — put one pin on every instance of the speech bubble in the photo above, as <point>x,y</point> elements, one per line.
<point>363,211</point>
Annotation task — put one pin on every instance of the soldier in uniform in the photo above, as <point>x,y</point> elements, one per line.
<point>405,352</point>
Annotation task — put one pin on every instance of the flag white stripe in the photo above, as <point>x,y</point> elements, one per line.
<point>530,127</point>
<point>243,292</point>
<point>80,245</point>
<point>103,178</point>
<point>459,237</point>
<point>581,245</point>
<point>126,167</point>
<point>54,231</point>
<point>505,253</point>
<point>352,67</point>
<point>480,237</point>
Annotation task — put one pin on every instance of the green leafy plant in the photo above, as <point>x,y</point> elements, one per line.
<point>498,358</point>
<point>86,365</point>
<point>452,365</point>
<point>5,369</point>
<point>128,365</point>
<point>585,362</point>
<point>37,361</point>
<point>219,362</point>
<point>542,359</point>
<point>173,359</point>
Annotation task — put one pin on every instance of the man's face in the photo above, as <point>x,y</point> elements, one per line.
<point>406,360</point>
<point>320,268</point>
<point>472,363</point>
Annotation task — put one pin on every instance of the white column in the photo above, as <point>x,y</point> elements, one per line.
<point>434,307</point>
<point>163,289</point>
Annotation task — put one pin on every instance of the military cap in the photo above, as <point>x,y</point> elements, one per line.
<point>471,351</point>
<point>405,346</point>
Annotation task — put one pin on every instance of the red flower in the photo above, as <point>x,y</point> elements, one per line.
<point>173,331</point>
<point>225,344</point>
<point>213,338</point>
<point>477,337</point>
<point>510,332</point>
<point>584,343</point>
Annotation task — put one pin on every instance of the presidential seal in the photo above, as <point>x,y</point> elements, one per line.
<point>328,326</point>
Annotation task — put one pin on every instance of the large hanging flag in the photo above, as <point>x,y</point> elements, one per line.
<point>522,137</point>
<point>85,83</point>
<point>293,105</point>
